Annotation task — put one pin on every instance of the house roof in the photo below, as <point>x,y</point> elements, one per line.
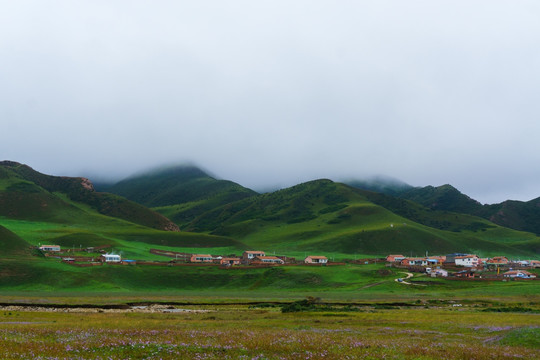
<point>201,255</point>
<point>268,257</point>
<point>317,257</point>
<point>515,272</point>
<point>231,258</point>
<point>466,257</point>
<point>253,252</point>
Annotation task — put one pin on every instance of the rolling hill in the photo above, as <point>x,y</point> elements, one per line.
<point>180,192</point>
<point>12,244</point>
<point>37,209</point>
<point>325,216</point>
<point>29,195</point>
<point>517,215</point>
<point>317,216</point>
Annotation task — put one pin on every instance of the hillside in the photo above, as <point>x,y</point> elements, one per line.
<point>11,244</point>
<point>29,195</point>
<point>517,215</point>
<point>180,192</point>
<point>332,217</point>
<point>177,185</point>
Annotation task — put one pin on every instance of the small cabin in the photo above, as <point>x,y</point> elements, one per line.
<point>228,261</point>
<point>201,258</point>
<point>439,273</point>
<point>520,274</point>
<point>50,247</point>
<point>267,260</point>
<point>394,258</point>
<point>316,260</point>
<point>111,258</point>
<point>498,260</point>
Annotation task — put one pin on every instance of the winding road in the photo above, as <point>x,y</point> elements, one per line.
<point>409,275</point>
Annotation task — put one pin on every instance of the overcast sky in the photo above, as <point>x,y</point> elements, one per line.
<point>274,92</point>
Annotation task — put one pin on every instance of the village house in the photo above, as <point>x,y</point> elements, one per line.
<point>465,274</point>
<point>394,258</point>
<point>229,261</point>
<point>467,260</point>
<point>534,263</point>
<point>111,258</point>
<point>439,260</point>
<point>249,256</point>
<point>520,274</point>
<point>49,247</point>
<point>316,260</point>
<point>414,262</point>
<point>439,273</point>
<point>498,260</point>
<point>267,260</point>
<point>451,258</point>
<point>200,258</point>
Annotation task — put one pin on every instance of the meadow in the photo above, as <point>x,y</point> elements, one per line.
<point>241,332</point>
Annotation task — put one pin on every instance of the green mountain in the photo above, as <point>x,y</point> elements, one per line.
<point>26,194</point>
<point>180,192</point>
<point>332,217</point>
<point>317,216</point>
<point>445,197</point>
<point>41,209</point>
<point>517,215</point>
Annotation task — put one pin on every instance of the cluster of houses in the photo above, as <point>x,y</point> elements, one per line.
<point>254,258</point>
<point>433,265</point>
<point>247,258</point>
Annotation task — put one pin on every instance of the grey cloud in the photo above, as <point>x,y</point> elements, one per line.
<point>276,92</point>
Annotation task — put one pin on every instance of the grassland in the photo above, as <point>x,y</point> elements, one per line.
<point>240,332</point>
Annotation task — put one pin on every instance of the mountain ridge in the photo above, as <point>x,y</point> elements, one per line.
<point>30,194</point>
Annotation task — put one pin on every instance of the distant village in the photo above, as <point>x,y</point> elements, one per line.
<point>251,258</point>
<point>468,266</point>
<point>457,265</point>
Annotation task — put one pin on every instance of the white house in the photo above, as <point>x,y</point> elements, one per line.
<point>201,258</point>
<point>50,247</point>
<point>111,258</point>
<point>467,260</point>
<point>316,260</point>
<point>520,274</point>
<point>439,273</point>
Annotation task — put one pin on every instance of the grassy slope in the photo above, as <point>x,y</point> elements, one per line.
<point>518,215</point>
<point>187,185</point>
<point>40,216</point>
<point>322,216</point>
<point>347,282</point>
<point>11,244</point>
<point>29,195</point>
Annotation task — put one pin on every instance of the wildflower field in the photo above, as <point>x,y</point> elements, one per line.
<point>441,331</point>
